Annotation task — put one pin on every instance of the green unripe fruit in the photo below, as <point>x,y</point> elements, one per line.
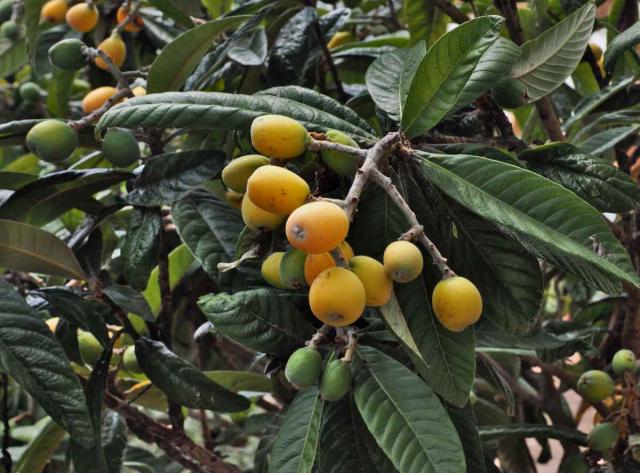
<point>335,380</point>
<point>52,140</point>
<point>6,9</point>
<point>575,464</point>
<point>603,436</point>
<point>236,174</point>
<point>292,269</point>
<point>623,360</point>
<point>120,147</point>
<point>595,385</point>
<point>10,30</point>
<point>510,93</point>
<point>67,54</point>
<point>130,362</point>
<point>29,92</point>
<point>304,367</point>
<point>90,347</point>
<point>341,163</point>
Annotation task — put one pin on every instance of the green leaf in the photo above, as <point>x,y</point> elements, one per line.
<point>449,357</point>
<point>547,60</point>
<point>259,319</point>
<point>141,246</point>
<point>404,415</point>
<point>465,425</point>
<point>182,382</point>
<point>596,181</point>
<point>425,21</point>
<point>32,25</point>
<point>607,139</point>
<point>296,445</point>
<point>494,432</point>
<point>219,111</point>
<point>114,440</point>
<point>129,300</point>
<point>543,216</point>
<point>78,310</point>
<point>13,56</point>
<point>392,314</point>
<point>27,248</point>
<point>31,355</point>
<point>180,260</point>
<point>50,196</point>
<point>389,77</point>
<point>494,64</point>
<point>178,10</point>
<point>346,446</point>
<point>446,71</point>
<point>238,381</point>
<point>15,180</point>
<point>620,43</point>
<point>166,178</point>
<point>249,49</point>
<point>38,451</point>
<point>59,92</point>
<point>209,227</point>
<point>179,58</point>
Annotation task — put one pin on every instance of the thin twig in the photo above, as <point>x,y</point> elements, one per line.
<point>329,60</point>
<point>93,116</point>
<point>319,145</point>
<point>450,9</point>
<point>93,53</point>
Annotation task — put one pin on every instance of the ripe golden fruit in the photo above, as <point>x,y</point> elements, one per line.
<point>53,11</point>
<point>52,140</point>
<point>340,38</point>
<point>236,174</point>
<point>97,97</point>
<point>603,436</point>
<point>315,264</point>
<point>67,54</point>
<point>303,367</point>
<point>120,147</point>
<point>115,48</point>
<point>457,303</point>
<point>337,297</point>
<point>623,360</point>
<point>377,283</point>
<point>341,163</point>
<point>317,227</point>
<point>276,189</point>
<point>52,323</point>
<point>271,269</point>
<point>82,17</point>
<point>134,25</point>
<point>595,385</point>
<point>90,347</point>
<point>335,380</point>
<point>130,361</point>
<point>403,261</point>
<point>278,136</point>
<point>257,219</point>
<point>596,50</point>
<point>292,269</point>
<point>139,91</point>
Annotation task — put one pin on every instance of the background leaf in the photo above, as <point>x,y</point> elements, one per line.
<point>27,248</point>
<point>38,451</point>
<point>141,245</point>
<point>620,43</point>
<point>425,21</point>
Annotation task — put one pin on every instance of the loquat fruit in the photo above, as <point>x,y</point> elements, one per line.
<point>377,283</point>
<point>278,136</point>
<point>82,17</point>
<point>403,261</point>
<point>257,219</point>
<point>236,174</point>
<point>317,227</point>
<point>276,189</point>
<point>457,303</point>
<point>337,297</point>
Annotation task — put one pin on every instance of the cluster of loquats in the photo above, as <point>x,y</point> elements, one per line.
<point>340,284</point>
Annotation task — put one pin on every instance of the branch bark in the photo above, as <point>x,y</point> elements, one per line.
<point>450,9</point>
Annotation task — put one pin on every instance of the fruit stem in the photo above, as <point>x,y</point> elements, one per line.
<point>352,344</point>
<point>319,336</point>
<point>93,53</point>
<point>338,257</point>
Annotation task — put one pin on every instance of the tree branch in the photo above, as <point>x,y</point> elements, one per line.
<point>329,60</point>
<point>450,9</point>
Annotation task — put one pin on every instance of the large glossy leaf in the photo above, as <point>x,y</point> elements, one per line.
<point>31,355</point>
<point>426,22</point>
<point>141,245</point>
<point>38,451</point>
<point>607,139</point>
<point>465,425</point>
<point>209,227</point>
<point>130,300</point>
<point>445,71</point>
<point>49,197</point>
<point>620,43</point>
<point>449,357</point>
<point>179,58</point>
<point>394,318</point>
<point>494,64</point>
<point>182,382</point>
<point>296,445</point>
<point>543,216</point>
<point>546,61</point>
<point>249,49</point>
<point>27,248</point>
<point>218,111</point>
<point>259,319</point>
<point>405,416</point>
<point>239,381</point>
<point>389,77</point>
<point>168,177</point>
<point>15,180</point>
<point>342,425</point>
<point>598,182</point>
